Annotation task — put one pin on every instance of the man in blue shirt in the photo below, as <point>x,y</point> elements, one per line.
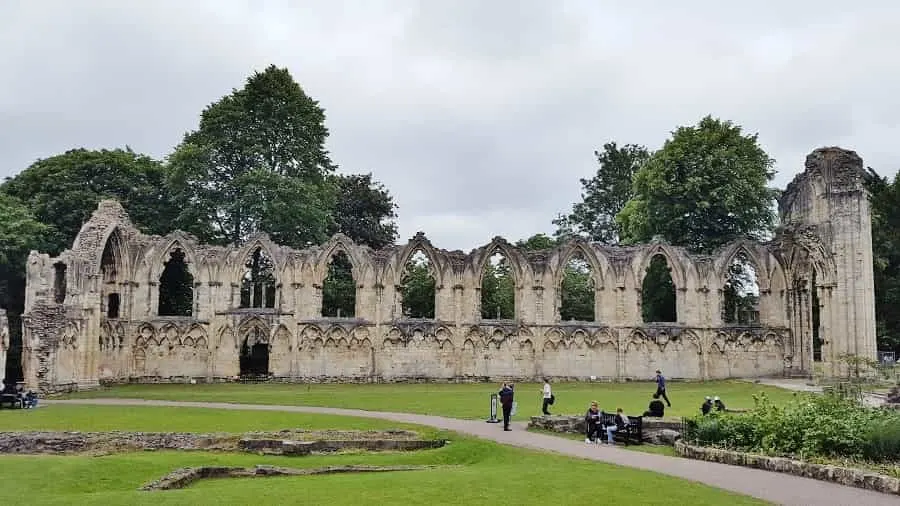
<point>661,387</point>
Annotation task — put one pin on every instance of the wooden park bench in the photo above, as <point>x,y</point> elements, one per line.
<point>633,432</point>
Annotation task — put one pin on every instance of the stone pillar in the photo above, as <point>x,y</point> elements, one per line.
<point>826,215</point>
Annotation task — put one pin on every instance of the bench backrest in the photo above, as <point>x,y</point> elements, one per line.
<point>610,419</point>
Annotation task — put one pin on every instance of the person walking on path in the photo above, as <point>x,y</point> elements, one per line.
<point>548,397</point>
<point>506,401</point>
<point>661,387</point>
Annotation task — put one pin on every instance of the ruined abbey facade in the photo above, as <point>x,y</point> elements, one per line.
<point>95,313</point>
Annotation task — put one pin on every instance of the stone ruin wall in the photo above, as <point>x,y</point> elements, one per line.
<point>69,342</point>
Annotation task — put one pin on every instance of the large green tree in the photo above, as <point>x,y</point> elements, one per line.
<point>708,185</point>
<point>257,162</point>
<point>885,201</point>
<point>604,195</point>
<point>62,191</point>
<point>365,211</point>
<point>20,232</point>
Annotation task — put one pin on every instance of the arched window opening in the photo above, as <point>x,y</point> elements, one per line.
<point>339,288</point>
<point>658,303</point>
<point>258,282</point>
<point>577,291</point>
<point>740,295</point>
<point>815,317</point>
<point>417,287</point>
<point>112,305</point>
<point>109,261</point>
<point>254,357</point>
<point>59,282</point>
<point>176,287</point>
<point>498,291</point>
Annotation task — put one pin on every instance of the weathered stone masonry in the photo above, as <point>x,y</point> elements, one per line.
<point>74,338</point>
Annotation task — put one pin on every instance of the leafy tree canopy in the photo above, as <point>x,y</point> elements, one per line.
<point>604,195</point>
<point>257,162</point>
<point>62,191</point>
<point>365,211</point>
<point>885,201</point>
<point>705,187</point>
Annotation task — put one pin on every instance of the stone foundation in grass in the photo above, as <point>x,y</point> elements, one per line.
<point>664,431</point>
<point>286,442</point>
<point>181,478</point>
<point>850,477</point>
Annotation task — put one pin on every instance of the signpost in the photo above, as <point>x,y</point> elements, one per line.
<point>494,402</point>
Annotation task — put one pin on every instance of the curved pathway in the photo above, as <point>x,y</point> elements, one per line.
<point>774,487</point>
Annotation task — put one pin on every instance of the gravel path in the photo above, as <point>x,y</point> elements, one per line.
<point>773,487</point>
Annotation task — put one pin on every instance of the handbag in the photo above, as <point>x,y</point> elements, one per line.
<point>551,400</point>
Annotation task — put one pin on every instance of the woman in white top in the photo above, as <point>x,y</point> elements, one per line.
<point>548,397</point>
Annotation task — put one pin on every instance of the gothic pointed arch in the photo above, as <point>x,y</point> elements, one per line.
<point>339,243</point>
<point>113,260</point>
<point>672,258</point>
<point>736,249</point>
<point>418,243</point>
<point>417,279</point>
<point>577,277</point>
<point>594,259</point>
<point>258,279</point>
<point>175,273</point>
<point>499,292</point>
<point>512,255</point>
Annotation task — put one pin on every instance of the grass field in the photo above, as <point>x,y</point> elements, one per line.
<point>468,401</point>
<point>483,473</point>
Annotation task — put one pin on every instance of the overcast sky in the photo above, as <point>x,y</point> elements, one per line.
<point>479,116</point>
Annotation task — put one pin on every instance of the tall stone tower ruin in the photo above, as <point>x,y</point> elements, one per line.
<point>826,245</point>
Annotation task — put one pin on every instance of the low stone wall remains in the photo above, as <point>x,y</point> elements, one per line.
<point>664,431</point>
<point>850,477</point>
<point>288,442</point>
<point>181,478</point>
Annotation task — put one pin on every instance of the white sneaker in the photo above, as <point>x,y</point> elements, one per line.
<point>588,441</point>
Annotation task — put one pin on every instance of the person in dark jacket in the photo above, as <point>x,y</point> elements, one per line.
<point>506,401</point>
<point>706,407</point>
<point>661,387</point>
<point>720,406</point>
<point>656,408</point>
<point>621,423</point>
<point>592,424</point>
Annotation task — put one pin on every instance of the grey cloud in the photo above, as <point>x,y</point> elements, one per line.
<point>480,117</point>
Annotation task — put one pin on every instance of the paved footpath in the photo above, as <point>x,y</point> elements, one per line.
<point>773,487</point>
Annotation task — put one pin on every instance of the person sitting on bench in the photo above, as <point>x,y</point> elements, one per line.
<point>592,424</point>
<point>656,408</point>
<point>706,407</point>
<point>20,394</point>
<point>720,406</point>
<point>621,424</point>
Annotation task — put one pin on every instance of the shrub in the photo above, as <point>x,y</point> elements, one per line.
<point>810,426</point>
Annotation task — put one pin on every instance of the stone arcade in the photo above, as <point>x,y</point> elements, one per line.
<point>94,313</point>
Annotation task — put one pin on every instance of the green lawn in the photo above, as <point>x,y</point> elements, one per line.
<point>164,419</point>
<point>483,472</point>
<point>469,401</point>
